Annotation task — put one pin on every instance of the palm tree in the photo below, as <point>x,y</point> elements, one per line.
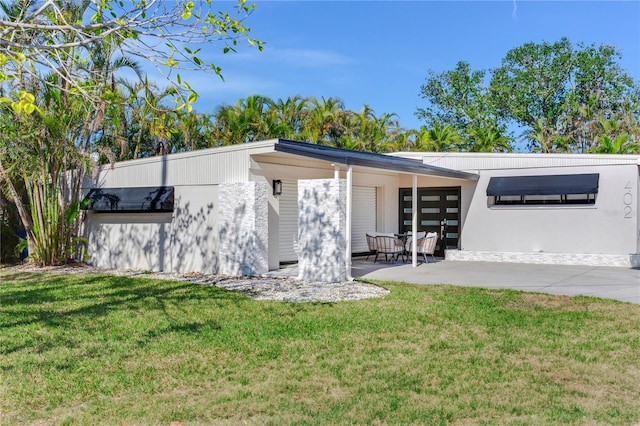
<point>325,121</point>
<point>488,139</point>
<point>100,70</point>
<point>377,131</point>
<point>289,116</point>
<point>621,144</point>
<point>400,140</point>
<point>195,131</point>
<point>540,138</point>
<point>140,124</point>
<point>247,121</point>
<point>437,138</point>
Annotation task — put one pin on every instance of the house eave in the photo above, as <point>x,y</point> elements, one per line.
<point>368,159</point>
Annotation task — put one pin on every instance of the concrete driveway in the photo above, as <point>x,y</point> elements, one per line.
<point>599,281</point>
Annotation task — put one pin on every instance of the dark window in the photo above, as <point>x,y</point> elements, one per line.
<point>549,189</point>
<point>130,200</point>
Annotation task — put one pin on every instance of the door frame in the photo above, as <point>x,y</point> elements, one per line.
<point>442,228</point>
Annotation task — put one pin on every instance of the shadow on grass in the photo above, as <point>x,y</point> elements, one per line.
<point>58,301</point>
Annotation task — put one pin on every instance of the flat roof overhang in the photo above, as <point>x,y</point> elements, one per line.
<point>368,159</point>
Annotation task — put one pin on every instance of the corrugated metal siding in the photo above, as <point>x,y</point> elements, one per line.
<point>364,217</point>
<point>203,167</point>
<point>204,170</point>
<point>478,161</point>
<point>288,221</point>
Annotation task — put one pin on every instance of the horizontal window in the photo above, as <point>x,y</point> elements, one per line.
<point>130,200</point>
<point>544,185</point>
<point>545,189</point>
<point>546,199</point>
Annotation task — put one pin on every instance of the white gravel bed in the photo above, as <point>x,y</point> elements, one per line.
<point>258,288</point>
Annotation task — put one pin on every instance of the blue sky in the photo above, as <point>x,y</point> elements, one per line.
<point>378,52</point>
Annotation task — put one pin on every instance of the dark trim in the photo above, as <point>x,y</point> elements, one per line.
<point>544,185</point>
<point>368,159</point>
<point>441,229</point>
<point>153,199</point>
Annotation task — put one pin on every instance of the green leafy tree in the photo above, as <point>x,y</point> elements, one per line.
<point>532,82</point>
<point>55,35</point>
<point>487,139</point>
<point>556,92</point>
<point>437,138</point>
<point>614,138</point>
<point>248,120</point>
<point>58,60</point>
<point>459,98</point>
<point>562,89</point>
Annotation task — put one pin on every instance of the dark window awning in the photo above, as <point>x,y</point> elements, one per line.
<point>544,185</point>
<point>130,200</point>
<point>368,159</point>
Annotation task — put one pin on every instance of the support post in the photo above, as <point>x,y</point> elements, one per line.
<point>349,210</point>
<point>414,222</point>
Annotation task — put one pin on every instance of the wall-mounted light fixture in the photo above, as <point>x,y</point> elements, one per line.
<point>277,187</point>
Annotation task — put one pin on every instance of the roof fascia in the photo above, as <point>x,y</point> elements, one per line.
<point>368,159</point>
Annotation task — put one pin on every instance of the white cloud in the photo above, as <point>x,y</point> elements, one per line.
<point>290,56</point>
<point>309,57</point>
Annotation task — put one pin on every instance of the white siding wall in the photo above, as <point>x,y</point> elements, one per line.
<point>608,227</point>
<point>205,167</point>
<point>288,221</point>
<point>364,217</point>
<point>494,161</point>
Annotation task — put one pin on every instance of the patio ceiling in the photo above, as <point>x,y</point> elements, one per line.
<point>368,159</point>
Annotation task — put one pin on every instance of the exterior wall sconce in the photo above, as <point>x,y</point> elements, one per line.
<point>277,187</point>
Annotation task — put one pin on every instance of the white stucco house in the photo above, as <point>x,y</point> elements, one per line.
<point>247,209</point>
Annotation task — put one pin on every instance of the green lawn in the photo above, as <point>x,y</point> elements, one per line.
<point>95,349</point>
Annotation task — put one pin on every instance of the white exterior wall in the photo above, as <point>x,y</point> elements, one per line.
<point>605,234</point>
<point>182,241</point>
<point>188,239</point>
<point>608,227</point>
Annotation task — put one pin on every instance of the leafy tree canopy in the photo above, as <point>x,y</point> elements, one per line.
<point>55,36</point>
<point>557,92</point>
<point>62,102</point>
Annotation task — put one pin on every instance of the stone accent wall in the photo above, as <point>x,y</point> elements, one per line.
<point>627,261</point>
<point>321,230</point>
<point>243,228</point>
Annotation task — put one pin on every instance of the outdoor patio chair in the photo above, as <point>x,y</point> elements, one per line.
<point>407,243</point>
<point>390,247</point>
<point>371,244</point>
<point>427,246</point>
